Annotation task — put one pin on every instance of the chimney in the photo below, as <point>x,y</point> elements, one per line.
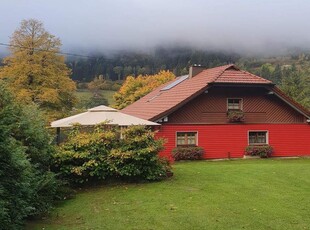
<point>194,70</point>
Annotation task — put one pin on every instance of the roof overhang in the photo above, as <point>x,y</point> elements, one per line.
<point>294,107</point>
<point>277,92</point>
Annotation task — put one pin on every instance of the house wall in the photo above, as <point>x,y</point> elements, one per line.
<point>219,141</point>
<point>258,106</point>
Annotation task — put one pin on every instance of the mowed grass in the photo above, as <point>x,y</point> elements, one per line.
<point>84,94</point>
<point>237,194</point>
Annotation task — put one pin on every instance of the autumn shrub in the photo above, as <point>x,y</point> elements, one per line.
<point>187,153</point>
<point>136,156</point>
<point>83,157</point>
<point>101,154</point>
<point>263,151</point>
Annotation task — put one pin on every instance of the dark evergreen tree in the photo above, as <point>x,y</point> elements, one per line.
<point>297,86</point>
<point>27,187</point>
<point>277,75</point>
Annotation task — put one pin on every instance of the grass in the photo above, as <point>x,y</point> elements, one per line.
<point>238,194</point>
<point>85,94</point>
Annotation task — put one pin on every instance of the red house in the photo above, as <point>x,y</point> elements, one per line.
<point>196,109</point>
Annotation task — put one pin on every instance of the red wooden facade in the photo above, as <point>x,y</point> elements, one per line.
<point>230,140</point>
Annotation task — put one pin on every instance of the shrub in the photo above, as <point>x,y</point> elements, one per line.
<point>116,86</point>
<point>263,151</point>
<point>137,156</point>
<point>83,157</point>
<point>188,153</point>
<point>235,115</point>
<point>101,154</point>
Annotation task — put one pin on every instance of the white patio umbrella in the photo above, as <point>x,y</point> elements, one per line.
<point>101,114</point>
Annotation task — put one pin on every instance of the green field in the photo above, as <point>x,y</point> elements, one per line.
<point>85,94</point>
<point>237,194</point>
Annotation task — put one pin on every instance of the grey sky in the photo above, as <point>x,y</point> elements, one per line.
<point>233,25</point>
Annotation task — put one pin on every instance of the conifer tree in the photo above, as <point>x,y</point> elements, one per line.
<point>297,86</point>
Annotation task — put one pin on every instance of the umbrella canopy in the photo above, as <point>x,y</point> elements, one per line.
<point>101,114</point>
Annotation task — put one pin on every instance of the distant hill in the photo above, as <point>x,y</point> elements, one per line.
<point>178,60</point>
<point>118,66</point>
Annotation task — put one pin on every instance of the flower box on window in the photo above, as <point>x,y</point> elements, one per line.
<point>263,151</point>
<point>188,153</point>
<point>235,115</point>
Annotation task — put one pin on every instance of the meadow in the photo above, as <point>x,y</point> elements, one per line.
<point>235,194</point>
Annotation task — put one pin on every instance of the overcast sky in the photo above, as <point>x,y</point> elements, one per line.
<point>232,25</point>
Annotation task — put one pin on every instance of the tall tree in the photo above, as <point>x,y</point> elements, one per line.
<point>277,74</point>
<point>35,72</point>
<point>135,88</point>
<point>118,70</point>
<point>297,85</point>
<point>27,187</point>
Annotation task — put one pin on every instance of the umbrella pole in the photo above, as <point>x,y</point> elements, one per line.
<point>122,129</point>
<point>58,135</point>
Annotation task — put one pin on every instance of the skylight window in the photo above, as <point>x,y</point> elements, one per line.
<point>176,82</point>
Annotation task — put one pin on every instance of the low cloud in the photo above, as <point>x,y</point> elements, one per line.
<point>248,27</point>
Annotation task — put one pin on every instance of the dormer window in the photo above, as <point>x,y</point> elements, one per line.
<point>234,104</point>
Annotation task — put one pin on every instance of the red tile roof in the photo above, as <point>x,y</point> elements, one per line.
<point>158,104</point>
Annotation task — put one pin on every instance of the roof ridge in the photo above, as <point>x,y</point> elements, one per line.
<point>221,72</point>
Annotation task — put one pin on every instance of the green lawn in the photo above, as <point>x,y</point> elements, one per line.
<point>237,194</point>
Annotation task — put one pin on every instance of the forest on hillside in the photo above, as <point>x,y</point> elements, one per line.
<point>123,64</point>
<point>178,60</point>
<point>290,72</point>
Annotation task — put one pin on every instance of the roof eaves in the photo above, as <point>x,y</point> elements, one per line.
<point>299,108</point>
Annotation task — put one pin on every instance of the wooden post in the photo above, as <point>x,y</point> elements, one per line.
<point>58,135</point>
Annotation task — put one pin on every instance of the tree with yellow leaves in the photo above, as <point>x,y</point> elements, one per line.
<point>135,88</point>
<point>36,73</point>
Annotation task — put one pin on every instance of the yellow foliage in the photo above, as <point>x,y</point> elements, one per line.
<point>135,88</point>
<point>35,72</point>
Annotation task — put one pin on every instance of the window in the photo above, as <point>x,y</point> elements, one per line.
<point>186,138</point>
<point>234,104</point>
<point>258,137</point>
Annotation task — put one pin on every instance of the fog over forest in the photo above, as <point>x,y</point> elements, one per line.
<point>247,27</point>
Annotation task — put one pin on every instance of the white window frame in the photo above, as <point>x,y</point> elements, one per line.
<point>235,98</point>
<point>176,136</point>
<point>267,137</point>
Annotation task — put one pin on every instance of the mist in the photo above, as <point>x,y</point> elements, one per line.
<point>256,27</point>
